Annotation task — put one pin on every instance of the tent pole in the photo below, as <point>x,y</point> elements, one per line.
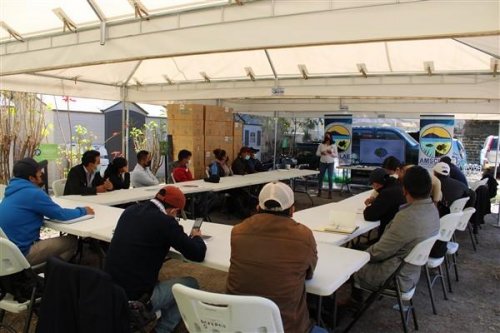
<point>275,137</point>
<point>123,121</point>
<point>497,224</point>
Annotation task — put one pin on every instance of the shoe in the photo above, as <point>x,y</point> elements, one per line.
<point>329,195</point>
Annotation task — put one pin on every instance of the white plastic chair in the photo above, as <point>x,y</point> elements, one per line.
<point>58,187</point>
<point>210,312</point>
<point>447,226</point>
<point>418,256</point>
<point>2,234</point>
<point>464,224</point>
<point>458,205</point>
<point>475,185</point>
<point>12,261</point>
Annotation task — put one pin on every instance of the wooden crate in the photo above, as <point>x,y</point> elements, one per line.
<point>218,113</point>
<point>218,128</point>
<point>190,127</point>
<point>237,138</point>
<point>185,112</point>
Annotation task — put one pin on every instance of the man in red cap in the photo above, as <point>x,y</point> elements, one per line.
<point>141,241</point>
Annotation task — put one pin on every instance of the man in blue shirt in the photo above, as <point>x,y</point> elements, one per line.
<point>22,211</point>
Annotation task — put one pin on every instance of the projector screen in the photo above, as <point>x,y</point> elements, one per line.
<point>374,151</point>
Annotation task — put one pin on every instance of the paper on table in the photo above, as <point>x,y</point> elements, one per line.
<point>341,222</point>
<point>78,219</point>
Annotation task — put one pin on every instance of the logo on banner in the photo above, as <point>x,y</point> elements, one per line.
<point>342,137</point>
<point>435,141</point>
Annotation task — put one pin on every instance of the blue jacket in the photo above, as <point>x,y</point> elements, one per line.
<point>22,211</point>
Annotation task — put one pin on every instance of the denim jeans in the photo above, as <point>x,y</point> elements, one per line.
<point>323,167</point>
<point>163,299</point>
<point>318,329</point>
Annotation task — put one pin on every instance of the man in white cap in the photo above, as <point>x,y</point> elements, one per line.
<point>451,188</point>
<point>272,256</point>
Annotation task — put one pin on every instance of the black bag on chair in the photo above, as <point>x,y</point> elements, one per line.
<point>20,285</point>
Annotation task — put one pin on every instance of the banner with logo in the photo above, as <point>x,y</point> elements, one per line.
<point>340,129</point>
<point>436,139</point>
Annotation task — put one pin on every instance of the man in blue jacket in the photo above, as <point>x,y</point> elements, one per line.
<point>22,211</point>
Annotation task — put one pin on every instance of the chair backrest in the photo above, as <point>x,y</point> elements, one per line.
<point>11,259</point>
<point>209,312</point>
<point>3,234</point>
<point>475,185</point>
<point>448,224</point>
<point>172,177</point>
<point>207,172</point>
<point>464,220</point>
<point>58,187</point>
<point>420,253</point>
<point>458,205</point>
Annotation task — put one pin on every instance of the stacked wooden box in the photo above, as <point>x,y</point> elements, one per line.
<point>202,129</point>
<point>218,132</point>
<point>186,125</point>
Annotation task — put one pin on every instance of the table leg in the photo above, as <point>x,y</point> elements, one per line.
<point>319,321</point>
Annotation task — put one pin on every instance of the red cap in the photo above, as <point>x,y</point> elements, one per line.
<point>172,196</point>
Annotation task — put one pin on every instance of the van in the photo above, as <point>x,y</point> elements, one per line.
<point>488,152</point>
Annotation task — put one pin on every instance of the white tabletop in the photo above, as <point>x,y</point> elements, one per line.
<point>318,217</point>
<point>105,216</point>
<point>335,264</point>
<point>195,186</point>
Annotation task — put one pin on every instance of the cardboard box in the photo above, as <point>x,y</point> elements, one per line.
<point>237,138</point>
<point>190,127</point>
<point>238,130</point>
<point>218,128</point>
<point>218,113</point>
<point>185,112</point>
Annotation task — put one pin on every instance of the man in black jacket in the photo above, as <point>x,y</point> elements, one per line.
<point>141,241</point>
<point>386,204</point>
<point>455,172</point>
<point>241,165</point>
<point>85,178</point>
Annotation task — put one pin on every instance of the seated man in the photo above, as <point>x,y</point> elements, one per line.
<point>85,178</point>
<point>451,188</point>
<point>386,203</point>
<point>455,172</point>
<point>141,241</point>
<point>22,211</point>
<point>392,166</point>
<point>272,256</point>
<point>141,175</point>
<point>181,172</point>
<point>417,221</point>
<point>254,164</point>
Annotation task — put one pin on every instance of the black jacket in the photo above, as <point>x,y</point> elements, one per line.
<point>117,181</point>
<point>142,240</point>
<point>457,174</point>
<point>77,182</point>
<point>386,204</point>
<point>240,167</point>
<point>81,299</point>
<point>452,190</point>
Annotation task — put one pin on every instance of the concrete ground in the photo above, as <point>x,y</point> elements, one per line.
<point>474,305</point>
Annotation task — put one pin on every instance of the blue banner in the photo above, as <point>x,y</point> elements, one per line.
<point>340,129</point>
<point>436,139</point>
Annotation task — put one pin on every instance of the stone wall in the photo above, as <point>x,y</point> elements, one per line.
<point>474,134</point>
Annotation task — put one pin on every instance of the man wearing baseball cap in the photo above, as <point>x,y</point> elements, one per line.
<point>241,164</point>
<point>272,256</point>
<point>386,203</point>
<point>22,211</point>
<point>141,241</point>
<point>452,190</point>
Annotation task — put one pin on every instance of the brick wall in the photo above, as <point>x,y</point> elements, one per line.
<point>474,134</point>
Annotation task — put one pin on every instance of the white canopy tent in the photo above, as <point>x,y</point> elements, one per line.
<point>383,58</point>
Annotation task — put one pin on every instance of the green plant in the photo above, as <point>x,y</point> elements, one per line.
<point>71,154</point>
<point>148,138</point>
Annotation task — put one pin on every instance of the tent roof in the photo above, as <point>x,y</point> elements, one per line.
<point>316,53</point>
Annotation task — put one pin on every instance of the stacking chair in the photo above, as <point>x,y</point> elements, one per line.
<point>448,224</point>
<point>418,257</point>
<point>458,205</point>
<point>12,262</point>
<point>210,312</point>
<point>464,224</point>
<point>2,191</point>
<point>58,187</point>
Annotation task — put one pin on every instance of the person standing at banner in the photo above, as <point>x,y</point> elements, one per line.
<point>327,151</point>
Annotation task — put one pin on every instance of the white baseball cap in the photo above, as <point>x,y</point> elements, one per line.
<point>279,192</point>
<point>442,169</point>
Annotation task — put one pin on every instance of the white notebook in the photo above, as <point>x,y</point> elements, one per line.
<point>341,222</point>
<point>78,219</point>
